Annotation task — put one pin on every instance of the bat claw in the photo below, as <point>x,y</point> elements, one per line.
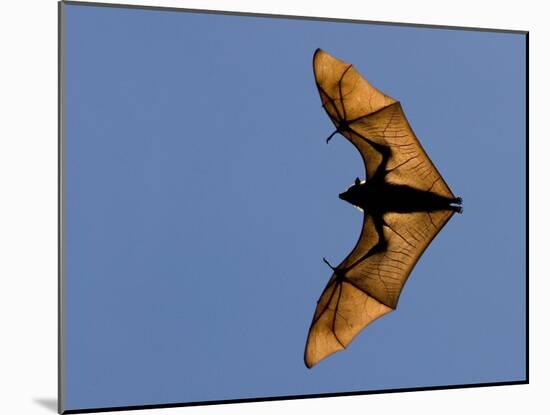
<point>328,263</point>
<point>457,201</point>
<point>332,135</point>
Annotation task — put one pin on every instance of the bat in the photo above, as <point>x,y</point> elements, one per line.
<point>404,199</point>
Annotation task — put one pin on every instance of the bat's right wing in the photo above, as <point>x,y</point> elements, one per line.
<point>373,279</point>
<point>343,309</point>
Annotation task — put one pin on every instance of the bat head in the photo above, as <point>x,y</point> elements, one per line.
<point>355,194</point>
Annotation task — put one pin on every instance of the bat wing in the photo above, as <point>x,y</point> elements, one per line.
<point>374,120</point>
<point>343,308</point>
<point>370,281</point>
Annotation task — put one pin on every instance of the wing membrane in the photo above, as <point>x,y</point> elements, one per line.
<point>409,164</point>
<point>342,312</point>
<point>373,284</point>
<point>349,95</point>
<point>383,274</point>
<point>374,117</point>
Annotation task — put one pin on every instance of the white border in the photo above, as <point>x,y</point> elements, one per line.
<point>28,203</point>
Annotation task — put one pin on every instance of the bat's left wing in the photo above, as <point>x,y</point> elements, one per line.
<point>375,119</point>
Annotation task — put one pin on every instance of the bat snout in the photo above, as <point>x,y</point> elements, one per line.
<point>345,196</point>
<point>348,196</point>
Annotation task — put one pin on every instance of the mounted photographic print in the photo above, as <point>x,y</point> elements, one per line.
<point>265,207</point>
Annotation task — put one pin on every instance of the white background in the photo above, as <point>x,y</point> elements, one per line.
<point>28,204</point>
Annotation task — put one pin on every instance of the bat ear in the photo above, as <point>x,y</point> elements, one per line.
<point>357,181</point>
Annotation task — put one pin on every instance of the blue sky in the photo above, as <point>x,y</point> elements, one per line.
<point>201,197</point>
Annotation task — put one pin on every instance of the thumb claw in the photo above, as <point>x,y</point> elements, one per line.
<point>328,263</point>
<point>332,135</point>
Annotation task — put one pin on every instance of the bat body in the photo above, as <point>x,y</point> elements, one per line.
<point>377,197</point>
<point>404,199</point>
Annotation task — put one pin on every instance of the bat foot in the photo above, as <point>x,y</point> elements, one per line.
<point>457,201</point>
